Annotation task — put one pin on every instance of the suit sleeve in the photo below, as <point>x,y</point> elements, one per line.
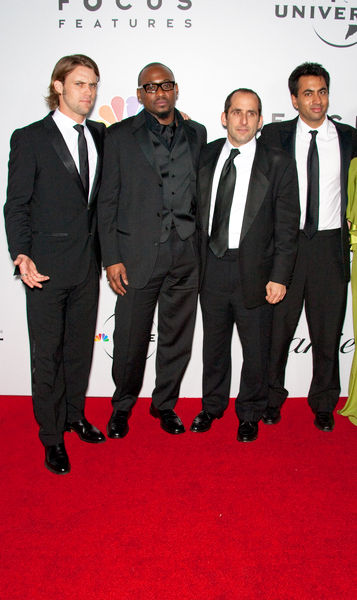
<point>108,202</point>
<point>21,181</point>
<point>286,224</point>
<point>270,135</point>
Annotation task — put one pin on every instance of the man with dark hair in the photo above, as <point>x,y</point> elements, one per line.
<point>147,228</point>
<point>50,217</point>
<point>323,149</point>
<point>249,214</point>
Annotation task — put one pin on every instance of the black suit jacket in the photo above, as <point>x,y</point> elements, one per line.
<point>268,241</point>
<point>131,200</point>
<point>47,214</point>
<point>283,134</point>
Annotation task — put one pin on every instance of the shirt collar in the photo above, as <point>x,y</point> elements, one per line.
<point>246,150</point>
<point>65,121</point>
<point>304,129</point>
<point>154,124</point>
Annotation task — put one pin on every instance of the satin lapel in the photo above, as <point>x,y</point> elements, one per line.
<point>192,142</point>
<point>141,134</point>
<point>96,137</point>
<point>62,151</point>
<point>206,174</point>
<point>258,186</point>
<point>288,136</point>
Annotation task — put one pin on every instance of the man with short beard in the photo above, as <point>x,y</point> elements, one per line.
<point>147,227</point>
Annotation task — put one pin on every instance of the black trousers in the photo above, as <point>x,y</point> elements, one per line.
<point>222,306</point>
<point>174,287</point>
<point>318,281</point>
<point>61,325</point>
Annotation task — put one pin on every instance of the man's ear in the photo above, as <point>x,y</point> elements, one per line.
<point>58,85</point>
<point>294,102</point>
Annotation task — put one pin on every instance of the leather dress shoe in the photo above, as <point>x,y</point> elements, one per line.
<point>118,425</point>
<point>271,415</point>
<point>86,431</point>
<point>169,420</point>
<point>247,431</point>
<point>203,422</point>
<point>324,421</point>
<point>56,459</point>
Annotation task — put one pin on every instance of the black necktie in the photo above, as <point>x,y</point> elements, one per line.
<point>312,199</point>
<point>167,132</point>
<point>83,157</point>
<point>220,224</point>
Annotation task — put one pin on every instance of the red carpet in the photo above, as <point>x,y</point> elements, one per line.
<point>197,516</point>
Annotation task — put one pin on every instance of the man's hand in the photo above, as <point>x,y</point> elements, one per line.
<point>28,271</point>
<point>185,116</point>
<point>275,292</point>
<point>116,276</point>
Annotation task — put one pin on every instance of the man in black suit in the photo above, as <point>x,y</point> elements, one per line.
<point>51,224</point>
<point>249,213</point>
<point>323,149</point>
<point>147,228</point>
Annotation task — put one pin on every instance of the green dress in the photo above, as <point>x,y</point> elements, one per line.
<point>350,408</point>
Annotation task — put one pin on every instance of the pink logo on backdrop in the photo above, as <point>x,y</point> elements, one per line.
<point>118,107</point>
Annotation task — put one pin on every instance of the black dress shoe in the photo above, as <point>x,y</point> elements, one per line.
<point>56,459</point>
<point>271,415</point>
<point>247,431</point>
<point>203,422</point>
<point>86,431</point>
<point>169,420</point>
<point>118,424</point>
<point>324,421</point>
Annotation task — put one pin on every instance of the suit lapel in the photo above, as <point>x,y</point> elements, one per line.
<point>191,137</point>
<point>96,137</point>
<point>345,142</point>
<point>288,136</point>
<point>62,151</point>
<point>141,134</point>
<point>258,185</point>
<point>206,173</point>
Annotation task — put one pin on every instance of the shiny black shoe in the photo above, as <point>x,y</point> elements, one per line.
<point>324,421</point>
<point>202,422</point>
<point>118,425</point>
<point>86,431</point>
<point>169,420</point>
<point>247,431</point>
<point>56,459</point>
<point>271,415</point>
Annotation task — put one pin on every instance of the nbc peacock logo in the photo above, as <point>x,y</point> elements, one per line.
<point>118,109</point>
<point>105,340</point>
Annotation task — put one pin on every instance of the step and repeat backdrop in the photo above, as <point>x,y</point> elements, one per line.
<point>213,47</point>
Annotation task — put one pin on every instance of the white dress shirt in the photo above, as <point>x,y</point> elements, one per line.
<point>70,135</point>
<point>243,163</point>
<point>329,172</point>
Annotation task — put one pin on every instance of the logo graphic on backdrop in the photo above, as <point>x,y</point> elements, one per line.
<point>302,345</point>
<point>335,24</point>
<point>119,14</point>
<point>105,338</point>
<point>114,113</point>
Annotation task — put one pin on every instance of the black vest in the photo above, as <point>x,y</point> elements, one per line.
<point>178,185</point>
